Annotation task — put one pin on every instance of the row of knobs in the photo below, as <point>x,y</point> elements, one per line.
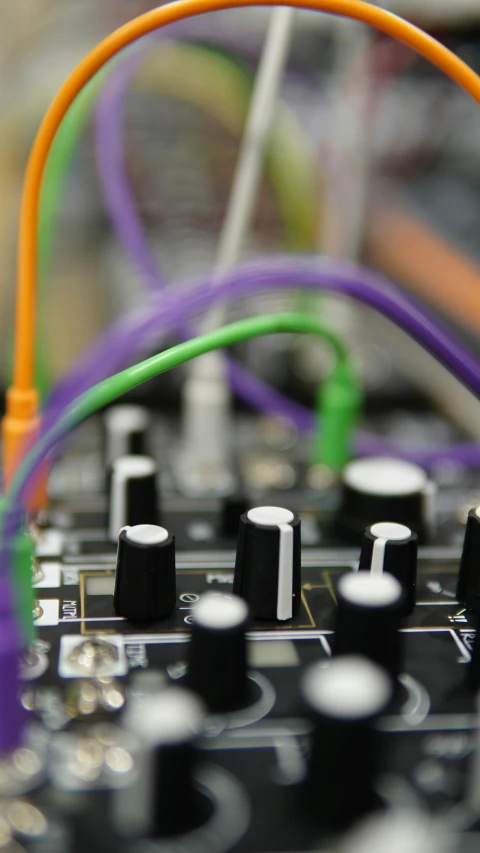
<point>372,488</point>
<point>343,698</point>
<point>370,604</point>
<point>267,566</point>
<point>267,570</point>
<point>343,701</point>
<point>133,477</point>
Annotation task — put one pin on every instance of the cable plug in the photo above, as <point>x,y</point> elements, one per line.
<point>338,403</point>
<point>23,553</point>
<point>18,550</point>
<point>205,461</point>
<point>20,429</point>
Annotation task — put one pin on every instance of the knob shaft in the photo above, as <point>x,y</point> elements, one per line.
<point>389,547</point>
<point>474,665</point>
<point>232,507</point>
<point>133,494</point>
<point>267,566</point>
<point>125,432</point>
<point>468,586</point>
<point>368,618</point>
<point>344,698</point>
<point>217,654</point>
<point>471,792</point>
<point>384,487</point>
<point>163,800</point>
<point>145,581</point>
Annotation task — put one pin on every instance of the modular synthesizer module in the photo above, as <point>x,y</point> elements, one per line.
<point>274,757</point>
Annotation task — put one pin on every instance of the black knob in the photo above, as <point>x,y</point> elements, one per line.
<point>164,799</point>
<point>232,507</point>
<point>217,653</point>
<point>267,565</point>
<point>384,487</point>
<point>389,547</point>
<point>468,586</point>
<point>474,665</point>
<point>125,432</point>
<point>145,577</point>
<point>344,698</point>
<point>133,494</point>
<point>369,608</point>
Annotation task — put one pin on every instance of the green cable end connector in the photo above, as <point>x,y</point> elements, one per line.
<point>339,399</point>
<point>21,557</point>
<point>338,404</point>
<point>23,552</point>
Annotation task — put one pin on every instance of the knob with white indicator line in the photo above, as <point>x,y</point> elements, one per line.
<point>384,487</point>
<point>468,586</point>
<point>133,494</point>
<point>389,547</point>
<point>145,580</point>
<point>368,618</point>
<point>267,565</point>
<point>344,697</point>
<point>126,431</point>
<point>217,652</point>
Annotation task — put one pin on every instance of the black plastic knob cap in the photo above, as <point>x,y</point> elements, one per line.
<point>232,507</point>
<point>133,494</point>
<point>369,609</point>
<point>268,562</point>
<point>393,548</point>
<point>474,665</point>
<point>344,698</point>
<point>468,586</point>
<point>145,581</point>
<point>384,487</point>
<point>164,799</point>
<point>217,652</point>
<point>125,432</point>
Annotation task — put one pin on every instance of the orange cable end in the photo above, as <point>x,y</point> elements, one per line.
<point>20,427</point>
